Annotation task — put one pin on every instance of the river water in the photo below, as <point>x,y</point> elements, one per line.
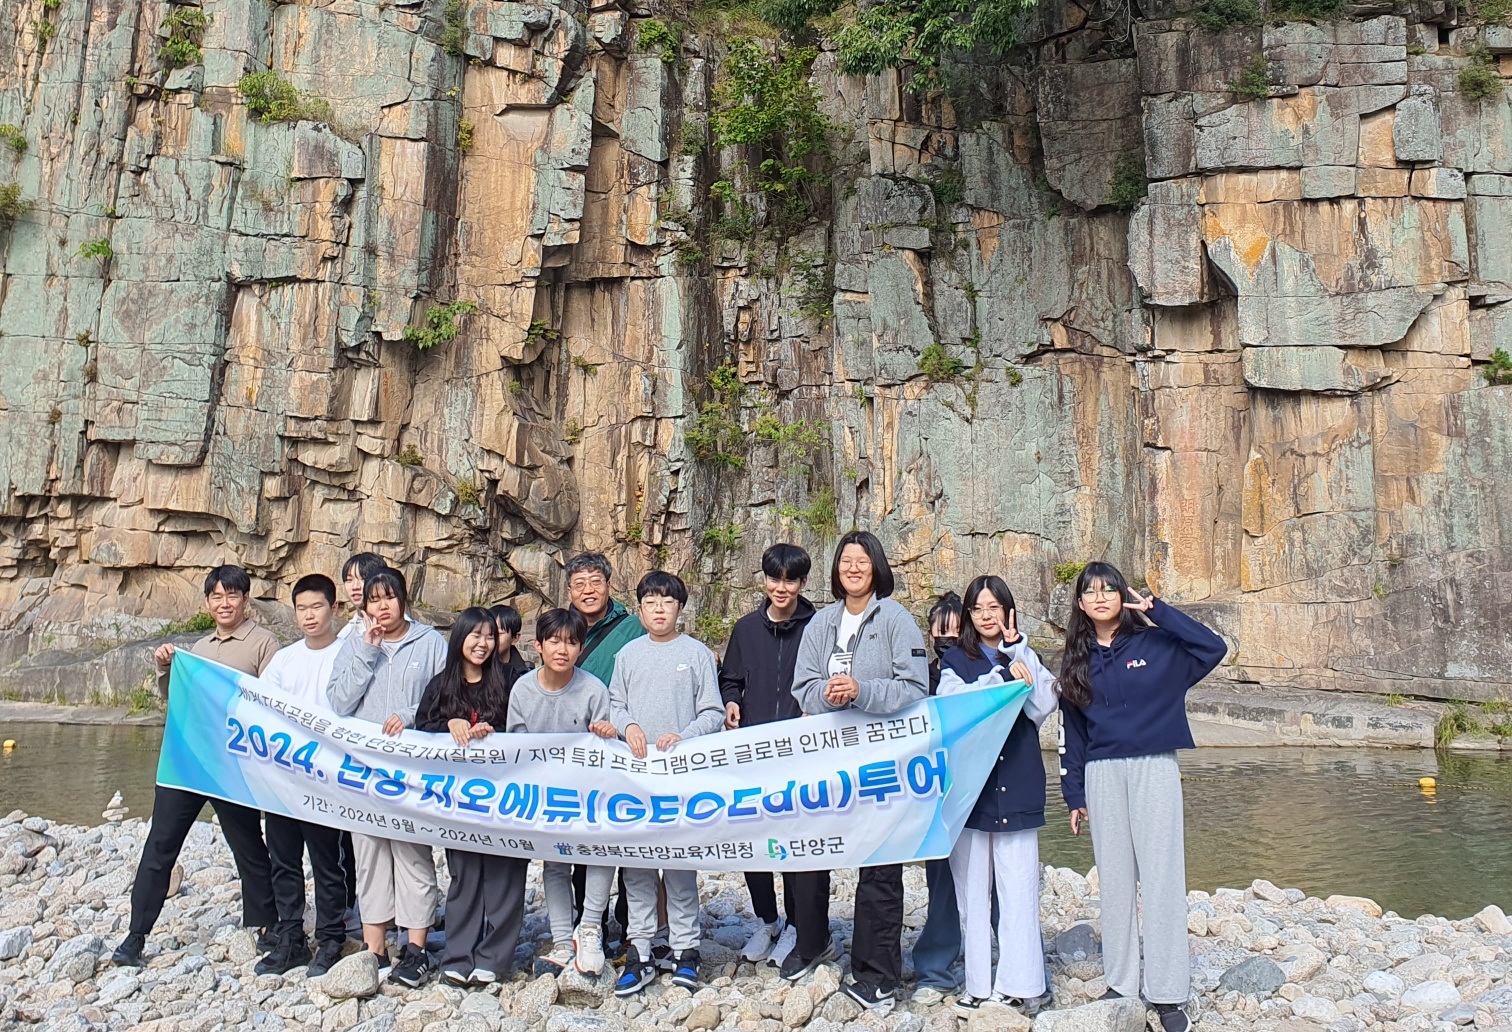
<point>1321,820</point>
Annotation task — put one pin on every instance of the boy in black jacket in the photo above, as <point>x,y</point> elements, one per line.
<point>756,684</point>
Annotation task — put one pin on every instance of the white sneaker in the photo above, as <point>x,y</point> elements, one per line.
<point>588,941</point>
<point>483,976</point>
<point>785,944</point>
<point>928,996</point>
<point>555,962</point>
<point>759,946</point>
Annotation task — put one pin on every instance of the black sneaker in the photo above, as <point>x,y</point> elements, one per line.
<point>413,968</point>
<point>685,973</point>
<point>637,974</point>
<point>266,940</point>
<point>325,959</point>
<point>285,957</point>
<point>1111,995</point>
<point>795,966</point>
<point>870,996</point>
<point>129,953</point>
<point>1173,1017</point>
<point>663,957</point>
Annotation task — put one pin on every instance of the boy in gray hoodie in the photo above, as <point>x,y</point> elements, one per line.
<point>379,676</point>
<point>665,688</point>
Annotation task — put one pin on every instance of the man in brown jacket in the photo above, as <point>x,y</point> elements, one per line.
<point>242,645</point>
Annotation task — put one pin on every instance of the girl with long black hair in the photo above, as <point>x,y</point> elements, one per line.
<point>485,904</point>
<point>1129,662</point>
<point>999,847</point>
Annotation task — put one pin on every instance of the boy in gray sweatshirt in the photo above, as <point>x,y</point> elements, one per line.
<point>665,688</point>
<point>556,698</point>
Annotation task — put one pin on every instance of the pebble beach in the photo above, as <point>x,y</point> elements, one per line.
<point>1264,958</point>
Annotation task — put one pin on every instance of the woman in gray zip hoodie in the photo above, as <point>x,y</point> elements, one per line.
<point>864,652</point>
<point>379,676</point>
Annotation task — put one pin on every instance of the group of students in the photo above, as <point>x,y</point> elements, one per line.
<point>1128,663</point>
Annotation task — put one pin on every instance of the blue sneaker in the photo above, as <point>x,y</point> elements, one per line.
<point>686,972</point>
<point>637,974</point>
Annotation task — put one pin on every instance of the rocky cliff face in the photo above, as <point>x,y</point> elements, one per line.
<point>1261,390</point>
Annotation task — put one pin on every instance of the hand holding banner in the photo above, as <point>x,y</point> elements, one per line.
<point>845,789</point>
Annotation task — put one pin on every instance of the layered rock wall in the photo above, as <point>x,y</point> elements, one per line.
<point>1261,391</point>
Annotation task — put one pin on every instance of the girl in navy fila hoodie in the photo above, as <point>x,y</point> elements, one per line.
<point>999,846</point>
<point>1128,665</point>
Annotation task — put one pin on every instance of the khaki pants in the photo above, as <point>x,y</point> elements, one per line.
<point>396,881</point>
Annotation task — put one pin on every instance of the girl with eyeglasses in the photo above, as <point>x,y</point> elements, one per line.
<point>999,847</point>
<point>862,651</point>
<point>1129,662</point>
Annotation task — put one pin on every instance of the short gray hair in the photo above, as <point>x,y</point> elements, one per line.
<point>589,562</point>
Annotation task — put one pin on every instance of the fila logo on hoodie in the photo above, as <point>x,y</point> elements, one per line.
<point>1134,664</point>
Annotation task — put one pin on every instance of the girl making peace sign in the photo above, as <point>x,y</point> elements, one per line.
<point>1000,844</point>
<point>1129,663</point>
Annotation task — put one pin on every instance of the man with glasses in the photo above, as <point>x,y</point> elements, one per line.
<point>610,625</point>
<point>610,628</point>
<point>238,643</point>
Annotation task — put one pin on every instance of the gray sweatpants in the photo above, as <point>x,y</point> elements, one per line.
<point>557,879</point>
<point>1137,838</point>
<point>683,929</point>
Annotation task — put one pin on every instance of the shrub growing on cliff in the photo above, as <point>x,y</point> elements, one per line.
<point>1127,186</point>
<point>1478,80</point>
<point>657,37</point>
<point>440,325</point>
<point>765,101</point>
<point>271,98</point>
<point>1216,15</point>
<point>186,27</point>
<point>938,364</point>
<point>1498,371</point>
<point>1493,10</point>
<point>12,135</point>
<point>1307,10</point>
<point>818,515</point>
<point>918,33</point>
<point>454,27</point>
<point>12,204</point>
<point>1254,82</point>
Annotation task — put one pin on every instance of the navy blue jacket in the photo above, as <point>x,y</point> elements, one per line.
<point>1139,688</point>
<point>1013,797</point>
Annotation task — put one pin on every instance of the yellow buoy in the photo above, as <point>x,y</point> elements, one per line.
<point>1427,783</point>
<point>8,744</point>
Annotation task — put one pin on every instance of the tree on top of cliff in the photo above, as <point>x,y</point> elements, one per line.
<point>912,34</point>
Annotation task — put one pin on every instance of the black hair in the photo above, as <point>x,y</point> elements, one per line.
<point>1075,682</point>
<point>555,622</point>
<point>365,563</point>
<point>455,697</point>
<point>882,575</point>
<point>392,582</point>
<point>660,582</point>
<point>228,579</point>
<point>315,582</point>
<point>946,606</point>
<point>589,562</point>
<point>971,640</point>
<point>786,562</point>
<point>507,617</point>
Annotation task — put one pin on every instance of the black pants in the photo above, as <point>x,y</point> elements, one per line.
<point>173,813</point>
<point>763,892</point>
<point>807,895</point>
<point>484,908</point>
<point>287,841</point>
<point>621,903</point>
<point>877,942</point>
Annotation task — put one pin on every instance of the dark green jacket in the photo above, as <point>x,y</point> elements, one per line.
<point>606,638</point>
